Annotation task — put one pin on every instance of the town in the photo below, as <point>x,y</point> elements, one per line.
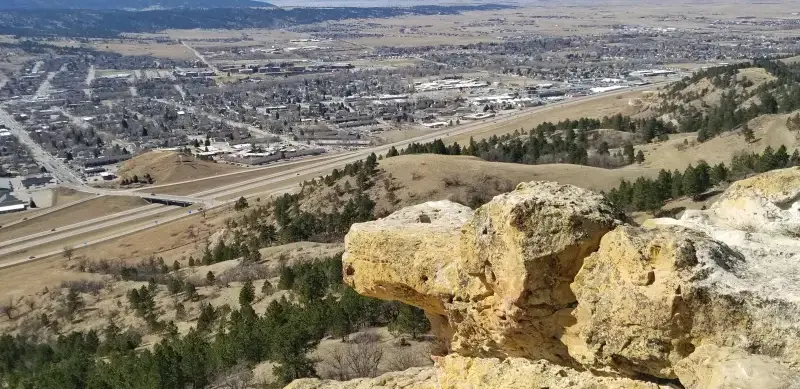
<point>351,194</point>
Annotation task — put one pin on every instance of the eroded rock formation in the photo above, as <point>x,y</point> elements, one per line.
<point>544,287</point>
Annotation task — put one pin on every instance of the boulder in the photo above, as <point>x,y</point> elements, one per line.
<point>727,276</point>
<point>544,287</point>
<point>712,367</point>
<point>497,287</point>
<point>647,296</point>
<point>524,248</point>
<point>411,255</point>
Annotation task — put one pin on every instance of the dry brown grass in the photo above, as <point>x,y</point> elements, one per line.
<point>163,50</point>
<point>769,130</point>
<point>101,206</point>
<point>208,184</point>
<point>625,103</point>
<point>168,167</point>
<point>63,196</point>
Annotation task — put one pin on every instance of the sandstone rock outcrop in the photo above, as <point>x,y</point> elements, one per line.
<point>544,287</point>
<point>711,367</point>
<point>414,378</point>
<point>458,372</point>
<point>500,284</point>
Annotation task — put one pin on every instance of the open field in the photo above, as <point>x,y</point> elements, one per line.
<point>84,211</point>
<point>165,50</point>
<point>61,197</point>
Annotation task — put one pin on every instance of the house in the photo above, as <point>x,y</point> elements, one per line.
<point>36,182</point>
<point>9,203</point>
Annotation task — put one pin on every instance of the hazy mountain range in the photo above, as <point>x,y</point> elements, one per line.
<point>128,4</point>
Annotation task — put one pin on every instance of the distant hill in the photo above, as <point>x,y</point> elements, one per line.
<point>129,4</point>
<point>112,22</point>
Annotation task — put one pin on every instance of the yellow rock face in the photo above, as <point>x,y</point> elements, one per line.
<point>458,372</point>
<point>415,378</point>
<point>499,286</point>
<point>409,256</point>
<point>543,288</point>
<point>648,298</point>
<point>711,367</point>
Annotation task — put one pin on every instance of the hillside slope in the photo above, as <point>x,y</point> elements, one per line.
<point>411,179</point>
<point>684,149</point>
<point>169,167</point>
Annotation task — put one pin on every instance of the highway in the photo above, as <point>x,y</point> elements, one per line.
<point>280,182</point>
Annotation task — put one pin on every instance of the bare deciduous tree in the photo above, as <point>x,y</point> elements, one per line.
<point>69,251</point>
<point>334,364</point>
<point>363,358</point>
<point>358,359</point>
<point>405,359</point>
<point>8,308</point>
<point>239,377</point>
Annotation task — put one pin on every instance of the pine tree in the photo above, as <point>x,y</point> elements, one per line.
<point>749,136</point>
<point>286,281</point>
<point>689,184</point>
<point>267,288</point>
<point>795,158</point>
<point>190,290</point>
<point>629,153</point>
<point>206,318</point>
<point>241,204</point>
<point>640,157</point>
<point>702,135</point>
<point>410,320</point>
<point>719,174</point>
<point>248,293</point>
<point>74,301</point>
<point>210,278</point>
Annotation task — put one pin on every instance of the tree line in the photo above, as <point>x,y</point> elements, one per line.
<point>564,142</point>
<point>646,194</point>
<point>284,333</point>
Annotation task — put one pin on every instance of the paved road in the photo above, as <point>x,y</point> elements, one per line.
<point>285,181</point>
<point>55,166</point>
<point>201,57</point>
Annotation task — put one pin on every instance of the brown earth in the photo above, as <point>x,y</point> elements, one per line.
<point>625,103</point>
<point>168,167</point>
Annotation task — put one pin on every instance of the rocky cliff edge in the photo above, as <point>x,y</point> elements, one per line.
<point>545,287</point>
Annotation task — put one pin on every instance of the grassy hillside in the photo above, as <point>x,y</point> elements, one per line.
<point>166,167</point>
